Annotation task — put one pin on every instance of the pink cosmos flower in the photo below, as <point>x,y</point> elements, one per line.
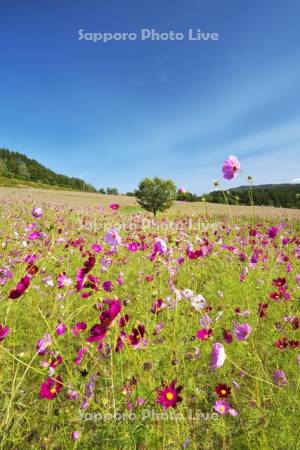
<point>48,281</point>
<point>205,320</point>
<point>168,396</point>
<point>51,388</point>
<point>112,237</point>
<point>63,280</point>
<point>4,330</point>
<point>5,275</point>
<point>279,378</point>
<point>114,206</point>
<point>88,392</point>
<point>20,288</point>
<point>43,343</point>
<point>120,279</point>
<point>159,248</point>
<point>218,356</point>
<point>242,331</point>
<point>75,435</point>
<point>72,395</point>
<point>105,263</point>
<point>198,302</point>
<point>37,213</point>
<point>223,407</point>
<point>140,401</point>
<point>231,167</point>
<point>181,190</point>
<point>80,354</point>
<point>158,327</point>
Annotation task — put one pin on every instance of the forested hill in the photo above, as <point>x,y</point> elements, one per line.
<point>16,165</point>
<point>279,195</point>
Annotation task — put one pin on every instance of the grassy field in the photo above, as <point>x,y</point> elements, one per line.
<point>101,310</point>
<point>90,201</point>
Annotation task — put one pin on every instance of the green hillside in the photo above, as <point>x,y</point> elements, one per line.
<point>17,169</point>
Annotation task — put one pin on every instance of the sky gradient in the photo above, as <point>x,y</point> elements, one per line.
<point>114,113</point>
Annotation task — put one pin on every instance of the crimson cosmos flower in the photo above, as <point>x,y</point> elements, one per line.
<point>222,390</point>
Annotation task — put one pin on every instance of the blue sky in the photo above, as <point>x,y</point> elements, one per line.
<point>114,113</point>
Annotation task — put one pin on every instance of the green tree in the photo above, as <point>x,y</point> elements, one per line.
<point>112,191</point>
<point>156,194</point>
<point>3,168</point>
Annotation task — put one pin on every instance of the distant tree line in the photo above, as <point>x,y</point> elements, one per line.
<point>280,195</point>
<point>17,165</point>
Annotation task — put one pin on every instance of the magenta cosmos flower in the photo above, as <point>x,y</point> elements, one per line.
<point>4,330</point>
<point>51,387</point>
<point>136,338</point>
<point>242,331</point>
<point>133,247</point>
<point>98,331</point>
<point>20,288</point>
<point>204,334</point>
<point>78,328</point>
<point>61,328</point>
<point>168,396</point>
<point>114,206</point>
<point>231,167</point>
<point>218,356</point>
<point>97,248</point>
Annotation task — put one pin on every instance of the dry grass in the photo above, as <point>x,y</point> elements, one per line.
<point>84,200</point>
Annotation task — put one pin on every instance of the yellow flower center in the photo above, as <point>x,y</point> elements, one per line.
<point>223,391</point>
<point>169,396</point>
<point>222,408</point>
<point>53,390</point>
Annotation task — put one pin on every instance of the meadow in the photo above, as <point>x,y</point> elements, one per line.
<point>120,332</point>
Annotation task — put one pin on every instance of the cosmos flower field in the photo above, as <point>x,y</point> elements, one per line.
<point>117,332</point>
